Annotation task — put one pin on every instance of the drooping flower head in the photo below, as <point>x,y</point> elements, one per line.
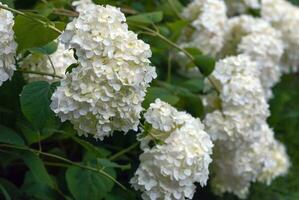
<point>8,46</point>
<point>208,19</point>
<point>170,169</point>
<point>284,17</point>
<point>104,93</point>
<point>256,38</point>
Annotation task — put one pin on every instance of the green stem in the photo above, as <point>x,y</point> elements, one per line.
<point>124,151</point>
<point>162,37</point>
<point>30,17</point>
<point>40,73</point>
<point>67,161</point>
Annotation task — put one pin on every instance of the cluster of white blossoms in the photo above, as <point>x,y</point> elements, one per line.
<point>55,63</point>
<point>8,46</point>
<point>241,6</point>
<point>170,169</point>
<point>208,19</point>
<point>245,148</point>
<point>256,38</point>
<point>284,17</point>
<point>104,93</point>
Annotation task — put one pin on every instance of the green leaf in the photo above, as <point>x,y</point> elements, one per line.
<point>85,184</point>
<point>46,49</point>
<point>10,188</point>
<point>176,28</point>
<point>30,33</point>
<point>107,163</point>
<point>146,18</point>
<point>70,68</point>
<point>4,192</point>
<point>35,102</point>
<point>33,189</point>
<point>37,168</point>
<point>9,136</point>
<point>156,92</point>
<point>205,64</point>
<point>194,85</point>
<point>194,51</point>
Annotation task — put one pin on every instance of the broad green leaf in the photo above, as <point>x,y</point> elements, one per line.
<point>156,92</point>
<point>194,51</point>
<point>46,49</point>
<point>109,164</point>
<point>33,189</point>
<point>35,102</point>
<point>9,136</point>
<point>37,168</point>
<point>31,134</point>
<point>10,188</point>
<point>205,64</point>
<point>176,28</point>
<point>4,192</point>
<point>30,33</point>
<point>85,184</point>
<point>146,18</point>
<point>194,85</point>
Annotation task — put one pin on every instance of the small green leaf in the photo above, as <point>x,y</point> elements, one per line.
<point>85,184</point>
<point>193,51</point>
<point>194,85</point>
<point>35,103</point>
<point>30,33</point>
<point>9,136</point>
<point>205,64</point>
<point>47,49</point>
<point>37,168</point>
<point>34,189</point>
<point>70,68</point>
<point>146,18</point>
<point>108,163</point>
<point>156,92</point>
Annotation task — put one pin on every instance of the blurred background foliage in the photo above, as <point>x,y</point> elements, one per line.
<point>24,175</point>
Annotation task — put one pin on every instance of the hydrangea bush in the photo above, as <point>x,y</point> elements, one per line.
<point>153,100</point>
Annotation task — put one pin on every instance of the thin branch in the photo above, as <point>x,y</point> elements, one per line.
<point>65,160</point>
<point>52,65</point>
<point>39,73</point>
<point>124,151</point>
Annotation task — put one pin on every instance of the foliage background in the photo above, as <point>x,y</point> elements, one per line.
<point>34,175</point>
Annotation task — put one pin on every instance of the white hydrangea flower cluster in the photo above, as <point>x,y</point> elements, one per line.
<point>58,61</point>
<point>8,46</point>
<point>208,18</point>
<point>245,148</point>
<point>284,17</point>
<point>256,38</point>
<point>169,170</point>
<point>241,6</point>
<point>82,5</point>
<point>104,93</point>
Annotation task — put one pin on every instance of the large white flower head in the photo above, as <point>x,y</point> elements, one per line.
<point>243,154</point>
<point>285,17</point>
<point>240,87</point>
<point>55,63</point>
<point>8,45</point>
<point>169,170</point>
<point>256,38</point>
<point>104,93</point>
<point>208,18</point>
<point>241,6</point>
